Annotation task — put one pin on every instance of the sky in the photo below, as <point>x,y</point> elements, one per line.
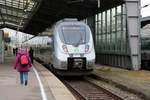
<point>145,11</point>
<point>22,37</point>
<point>19,35</point>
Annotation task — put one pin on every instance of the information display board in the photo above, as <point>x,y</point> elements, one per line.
<point>1,46</point>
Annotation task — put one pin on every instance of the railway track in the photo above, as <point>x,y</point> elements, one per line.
<point>85,90</point>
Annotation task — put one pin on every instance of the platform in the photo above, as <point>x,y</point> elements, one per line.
<point>11,89</point>
<point>137,82</point>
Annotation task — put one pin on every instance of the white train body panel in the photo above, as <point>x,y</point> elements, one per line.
<point>60,57</point>
<point>73,49</point>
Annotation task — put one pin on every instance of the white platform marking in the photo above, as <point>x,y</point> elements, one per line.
<point>43,94</point>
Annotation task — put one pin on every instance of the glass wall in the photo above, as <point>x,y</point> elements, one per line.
<point>111,31</point>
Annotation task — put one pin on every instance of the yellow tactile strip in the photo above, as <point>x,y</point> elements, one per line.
<point>59,91</point>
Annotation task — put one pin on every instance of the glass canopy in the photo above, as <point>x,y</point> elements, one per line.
<point>16,13</point>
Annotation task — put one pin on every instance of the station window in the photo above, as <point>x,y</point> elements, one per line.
<point>111,31</point>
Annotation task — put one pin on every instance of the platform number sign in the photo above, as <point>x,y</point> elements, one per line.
<point>1,47</point>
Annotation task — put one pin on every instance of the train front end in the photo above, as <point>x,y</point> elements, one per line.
<point>75,54</point>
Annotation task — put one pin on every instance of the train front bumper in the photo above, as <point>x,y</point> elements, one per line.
<point>79,63</point>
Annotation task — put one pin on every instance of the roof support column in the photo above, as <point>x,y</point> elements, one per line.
<point>133,31</point>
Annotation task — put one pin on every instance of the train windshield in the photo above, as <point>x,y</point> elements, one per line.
<point>74,35</point>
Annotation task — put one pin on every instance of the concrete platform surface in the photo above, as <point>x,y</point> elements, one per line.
<point>59,91</point>
<point>137,82</point>
<point>11,89</point>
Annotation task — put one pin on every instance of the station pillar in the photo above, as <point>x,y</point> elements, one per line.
<point>133,28</point>
<point>1,46</point>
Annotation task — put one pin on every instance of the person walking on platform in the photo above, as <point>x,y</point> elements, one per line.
<point>31,54</point>
<point>14,51</point>
<point>23,65</point>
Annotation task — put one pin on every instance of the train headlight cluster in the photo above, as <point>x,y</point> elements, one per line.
<point>65,48</point>
<point>86,48</point>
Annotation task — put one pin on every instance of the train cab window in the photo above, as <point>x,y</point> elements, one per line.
<point>74,35</point>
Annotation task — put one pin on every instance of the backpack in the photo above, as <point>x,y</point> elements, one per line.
<point>24,61</point>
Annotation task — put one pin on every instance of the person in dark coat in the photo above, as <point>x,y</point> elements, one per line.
<point>31,54</point>
<point>16,51</point>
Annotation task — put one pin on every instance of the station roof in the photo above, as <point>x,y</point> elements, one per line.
<point>34,16</point>
<point>14,13</point>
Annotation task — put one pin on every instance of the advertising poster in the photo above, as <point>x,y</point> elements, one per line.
<point>1,47</point>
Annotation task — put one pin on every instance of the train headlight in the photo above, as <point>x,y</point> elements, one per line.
<point>65,48</point>
<point>86,48</point>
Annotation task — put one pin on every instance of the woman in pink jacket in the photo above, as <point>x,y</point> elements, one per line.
<point>23,65</point>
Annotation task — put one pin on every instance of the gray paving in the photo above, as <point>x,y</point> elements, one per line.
<point>10,87</point>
